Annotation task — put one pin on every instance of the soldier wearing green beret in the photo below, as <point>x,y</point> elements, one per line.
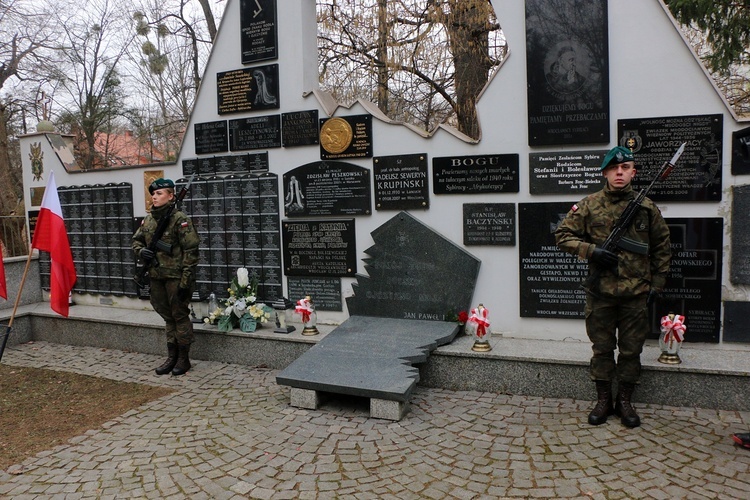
<point>617,315</point>
<point>172,275</point>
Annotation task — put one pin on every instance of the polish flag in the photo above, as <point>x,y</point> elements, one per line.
<point>50,235</point>
<point>3,287</point>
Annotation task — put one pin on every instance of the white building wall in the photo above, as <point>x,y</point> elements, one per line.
<point>653,73</point>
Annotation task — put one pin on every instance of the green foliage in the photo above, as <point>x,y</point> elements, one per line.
<point>726,24</point>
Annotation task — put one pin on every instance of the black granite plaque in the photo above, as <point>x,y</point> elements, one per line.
<point>206,166</point>
<point>346,137</point>
<point>739,263</point>
<point>248,89</point>
<point>327,188</point>
<point>223,164</point>
<point>490,224</point>
<point>258,30</point>
<point>299,128</point>
<point>694,282</point>
<point>570,172</point>
<point>319,247</point>
<point>735,321</point>
<point>189,166</point>
<point>551,279</point>
<point>567,71</point>
<point>741,152</point>
<point>401,182</point>
<point>258,132</point>
<point>475,174</point>
<point>325,292</point>
<point>211,137</point>
<point>697,176</point>
<point>413,273</point>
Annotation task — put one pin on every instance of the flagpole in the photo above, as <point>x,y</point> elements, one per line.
<point>15,306</point>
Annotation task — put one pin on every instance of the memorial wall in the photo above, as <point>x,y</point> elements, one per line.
<point>296,187</point>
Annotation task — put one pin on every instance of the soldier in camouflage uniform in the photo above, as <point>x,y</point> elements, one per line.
<point>616,309</point>
<point>172,273</point>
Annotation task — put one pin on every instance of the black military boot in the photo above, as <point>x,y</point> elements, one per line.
<point>167,366</point>
<point>183,360</point>
<point>623,408</point>
<point>603,407</point>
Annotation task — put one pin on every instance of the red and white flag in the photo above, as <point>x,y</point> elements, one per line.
<point>3,287</point>
<point>50,235</point>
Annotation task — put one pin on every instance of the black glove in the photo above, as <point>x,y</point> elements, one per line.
<point>604,258</point>
<point>183,294</point>
<point>146,254</point>
<point>653,294</point>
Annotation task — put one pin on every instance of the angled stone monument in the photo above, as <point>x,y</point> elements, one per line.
<point>397,317</point>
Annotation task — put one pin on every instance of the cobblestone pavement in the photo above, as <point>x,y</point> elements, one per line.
<point>228,432</point>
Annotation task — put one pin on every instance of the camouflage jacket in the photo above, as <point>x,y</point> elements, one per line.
<point>590,221</point>
<point>180,234</point>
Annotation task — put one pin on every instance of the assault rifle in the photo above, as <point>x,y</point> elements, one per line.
<point>616,238</point>
<point>156,243</point>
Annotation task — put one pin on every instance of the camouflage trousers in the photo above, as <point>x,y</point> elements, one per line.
<point>620,323</point>
<point>176,313</point>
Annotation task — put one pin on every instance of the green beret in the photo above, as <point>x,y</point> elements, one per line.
<point>618,154</point>
<point>160,184</point>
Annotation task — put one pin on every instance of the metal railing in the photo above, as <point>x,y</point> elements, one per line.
<point>13,236</point>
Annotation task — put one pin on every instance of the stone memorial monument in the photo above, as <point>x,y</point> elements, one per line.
<point>397,317</point>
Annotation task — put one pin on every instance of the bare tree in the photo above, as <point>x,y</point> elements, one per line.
<point>95,40</point>
<point>168,63</point>
<point>23,39</point>
<point>428,60</point>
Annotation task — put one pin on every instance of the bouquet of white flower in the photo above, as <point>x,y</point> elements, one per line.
<point>240,310</point>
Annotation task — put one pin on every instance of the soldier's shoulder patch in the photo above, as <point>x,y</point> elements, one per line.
<point>184,224</point>
<point>574,208</point>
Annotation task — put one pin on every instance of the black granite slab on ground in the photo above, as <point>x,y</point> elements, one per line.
<point>369,357</point>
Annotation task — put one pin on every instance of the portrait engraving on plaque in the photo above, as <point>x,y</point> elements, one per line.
<point>567,71</point>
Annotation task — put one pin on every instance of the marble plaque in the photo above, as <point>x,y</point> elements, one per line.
<point>697,176</point>
<point>570,172</point>
<point>327,188</point>
<point>401,182</point>
<point>475,174</point>
<point>319,247</point>
<point>489,224</point>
